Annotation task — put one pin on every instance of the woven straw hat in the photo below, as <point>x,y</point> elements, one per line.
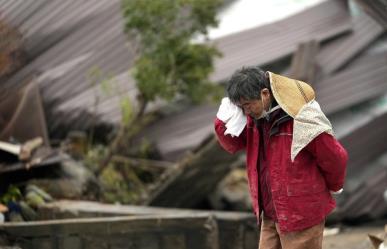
<point>290,94</point>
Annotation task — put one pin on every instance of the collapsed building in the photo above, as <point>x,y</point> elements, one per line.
<point>338,46</point>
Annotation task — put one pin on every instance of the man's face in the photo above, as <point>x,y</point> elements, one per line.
<point>255,107</point>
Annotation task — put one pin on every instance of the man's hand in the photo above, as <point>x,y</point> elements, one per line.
<point>336,192</point>
<point>226,110</point>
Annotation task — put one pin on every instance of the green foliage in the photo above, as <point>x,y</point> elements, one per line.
<point>169,63</point>
<point>126,111</point>
<point>121,184</point>
<point>94,156</point>
<point>115,187</point>
<point>13,194</point>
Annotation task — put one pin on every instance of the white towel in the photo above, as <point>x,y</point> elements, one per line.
<point>233,116</point>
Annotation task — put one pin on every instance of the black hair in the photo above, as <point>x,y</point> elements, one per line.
<point>247,83</point>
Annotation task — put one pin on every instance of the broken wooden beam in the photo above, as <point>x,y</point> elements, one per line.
<point>189,182</point>
<point>303,65</point>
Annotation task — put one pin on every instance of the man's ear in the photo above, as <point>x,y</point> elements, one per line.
<point>265,92</point>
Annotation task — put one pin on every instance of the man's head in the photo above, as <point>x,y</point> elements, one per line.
<point>249,88</point>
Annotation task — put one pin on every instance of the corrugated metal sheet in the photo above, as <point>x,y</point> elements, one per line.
<point>65,39</point>
<point>268,43</point>
<point>177,134</point>
<point>365,30</point>
<point>360,130</point>
<point>376,8</point>
<point>365,144</point>
<point>358,83</point>
<point>366,200</point>
<point>361,82</point>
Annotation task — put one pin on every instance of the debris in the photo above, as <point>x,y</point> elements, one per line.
<point>12,55</point>
<point>375,8</point>
<point>303,65</point>
<point>234,230</point>
<point>22,151</point>
<point>3,209</point>
<point>331,231</point>
<point>376,241</point>
<point>179,185</point>
<point>22,113</point>
<point>232,192</point>
<point>76,144</point>
<point>379,242</point>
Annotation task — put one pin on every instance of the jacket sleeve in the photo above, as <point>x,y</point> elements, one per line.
<point>331,158</point>
<point>229,143</point>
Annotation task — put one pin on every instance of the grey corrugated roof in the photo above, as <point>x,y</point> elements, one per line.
<point>178,133</point>
<point>358,83</point>
<point>362,81</point>
<point>268,43</point>
<point>65,39</point>
<point>376,8</point>
<point>365,144</point>
<point>337,53</point>
<point>365,199</point>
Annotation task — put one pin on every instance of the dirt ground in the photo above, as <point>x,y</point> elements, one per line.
<point>354,237</point>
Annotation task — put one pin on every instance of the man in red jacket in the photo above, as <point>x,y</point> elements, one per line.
<point>294,163</point>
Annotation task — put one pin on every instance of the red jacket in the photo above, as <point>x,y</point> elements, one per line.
<point>301,189</point>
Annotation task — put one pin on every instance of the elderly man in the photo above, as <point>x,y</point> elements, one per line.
<point>294,162</point>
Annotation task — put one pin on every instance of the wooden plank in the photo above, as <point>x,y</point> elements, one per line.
<point>303,66</point>
<point>145,232</point>
<point>173,240</point>
<point>106,224</point>
<point>236,230</point>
